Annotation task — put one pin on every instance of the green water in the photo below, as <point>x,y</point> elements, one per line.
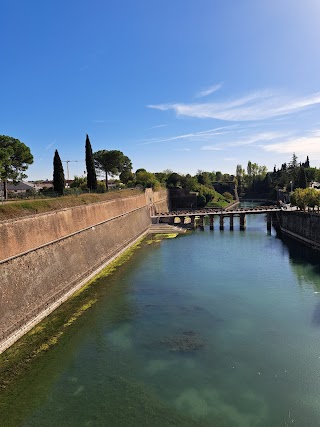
<point>208,329</point>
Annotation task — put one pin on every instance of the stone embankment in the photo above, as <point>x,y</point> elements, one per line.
<point>45,258</point>
<point>302,226</point>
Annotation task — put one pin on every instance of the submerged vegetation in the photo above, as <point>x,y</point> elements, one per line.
<point>16,359</point>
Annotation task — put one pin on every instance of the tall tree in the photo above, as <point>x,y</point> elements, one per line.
<point>58,174</point>
<point>111,162</point>
<point>302,179</point>
<point>91,171</point>
<point>15,157</point>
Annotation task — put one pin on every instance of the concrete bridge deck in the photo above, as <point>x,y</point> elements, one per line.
<point>196,217</point>
<point>215,211</point>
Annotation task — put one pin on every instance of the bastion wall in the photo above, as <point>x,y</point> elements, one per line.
<point>46,257</point>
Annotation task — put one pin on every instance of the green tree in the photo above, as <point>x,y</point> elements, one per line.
<point>173,180</point>
<point>91,171</point>
<point>126,176</point>
<point>111,162</point>
<point>79,182</point>
<point>302,179</point>
<point>147,179</point>
<point>58,174</point>
<point>15,157</point>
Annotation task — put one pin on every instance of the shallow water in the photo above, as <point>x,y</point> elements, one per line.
<point>211,328</point>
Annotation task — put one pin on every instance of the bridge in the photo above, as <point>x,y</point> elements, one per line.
<point>191,218</point>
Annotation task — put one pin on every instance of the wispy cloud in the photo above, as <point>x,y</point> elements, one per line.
<point>158,126</point>
<point>99,121</point>
<point>50,145</point>
<point>303,145</point>
<point>211,148</point>
<point>209,90</point>
<point>182,149</point>
<point>235,141</point>
<point>201,135</point>
<point>254,106</point>
<point>259,137</point>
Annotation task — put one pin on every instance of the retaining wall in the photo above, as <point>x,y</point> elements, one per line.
<point>46,256</point>
<point>303,226</point>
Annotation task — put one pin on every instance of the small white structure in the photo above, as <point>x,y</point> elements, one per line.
<point>315,184</point>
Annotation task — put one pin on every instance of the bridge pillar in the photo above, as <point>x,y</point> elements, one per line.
<point>171,220</point>
<point>181,220</point>
<point>211,218</point>
<point>200,222</point>
<point>221,222</point>
<point>192,221</point>
<point>231,222</point>
<point>242,221</point>
<point>269,221</point>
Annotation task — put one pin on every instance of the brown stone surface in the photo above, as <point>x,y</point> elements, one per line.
<point>29,283</point>
<point>17,236</point>
<point>32,281</point>
<point>304,224</point>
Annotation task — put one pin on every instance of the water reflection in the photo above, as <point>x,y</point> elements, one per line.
<point>305,262</point>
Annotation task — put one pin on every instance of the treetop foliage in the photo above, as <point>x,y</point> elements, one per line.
<point>58,174</point>
<point>15,158</point>
<point>111,162</point>
<point>91,171</point>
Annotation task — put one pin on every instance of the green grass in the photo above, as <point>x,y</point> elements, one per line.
<point>221,203</point>
<point>17,209</point>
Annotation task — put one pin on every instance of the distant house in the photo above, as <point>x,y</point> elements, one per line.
<point>21,187</point>
<point>315,184</point>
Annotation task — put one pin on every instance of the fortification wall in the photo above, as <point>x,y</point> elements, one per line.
<point>23,234</point>
<point>303,226</point>
<point>48,256</point>
<point>157,201</point>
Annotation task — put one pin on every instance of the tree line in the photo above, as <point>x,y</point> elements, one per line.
<point>215,187</point>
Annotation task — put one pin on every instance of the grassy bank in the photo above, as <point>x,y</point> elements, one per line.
<point>11,210</point>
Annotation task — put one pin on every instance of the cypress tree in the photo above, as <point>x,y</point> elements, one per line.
<point>58,174</point>
<point>302,179</point>
<point>91,172</point>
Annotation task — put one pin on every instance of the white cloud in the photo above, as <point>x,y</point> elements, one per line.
<point>209,90</point>
<point>211,148</point>
<point>99,121</point>
<point>258,137</point>
<point>50,145</point>
<point>182,149</point>
<point>254,106</point>
<point>250,139</point>
<point>198,136</point>
<point>158,126</point>
<point>301,146</point>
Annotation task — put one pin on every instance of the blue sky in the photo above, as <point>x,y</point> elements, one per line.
<point>174,84</point>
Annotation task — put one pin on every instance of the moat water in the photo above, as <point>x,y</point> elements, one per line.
<point>208,329</point>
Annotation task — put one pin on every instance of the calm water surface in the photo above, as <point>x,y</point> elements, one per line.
<point>208,329</point>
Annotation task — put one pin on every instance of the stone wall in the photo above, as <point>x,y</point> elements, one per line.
<point>46,256</point>
<point>157,201</point>
<point>23,234</point>
<point>304,226</point>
